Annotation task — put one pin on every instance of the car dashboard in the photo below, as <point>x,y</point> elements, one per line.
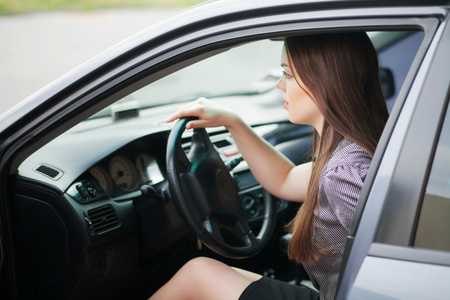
<point>101,191</point>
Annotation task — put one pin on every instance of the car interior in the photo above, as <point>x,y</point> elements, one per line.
<point>104,210</point>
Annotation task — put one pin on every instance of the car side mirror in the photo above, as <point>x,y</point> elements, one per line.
<point>387,83</point>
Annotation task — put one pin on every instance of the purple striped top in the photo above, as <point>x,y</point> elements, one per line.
<point>339,187</point>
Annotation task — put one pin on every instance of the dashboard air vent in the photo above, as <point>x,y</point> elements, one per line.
<point>102,218</point>
<point>49,171</point>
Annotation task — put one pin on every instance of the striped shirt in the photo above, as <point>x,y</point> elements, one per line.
<point>339,187</point>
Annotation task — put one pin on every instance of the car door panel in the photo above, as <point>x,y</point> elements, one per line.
<point>385,278</point>
<point>394,202</point>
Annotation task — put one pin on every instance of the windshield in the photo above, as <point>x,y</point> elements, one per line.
<point>249,69</point>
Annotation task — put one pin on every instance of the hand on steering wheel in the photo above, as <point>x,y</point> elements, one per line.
<point>207,197</point>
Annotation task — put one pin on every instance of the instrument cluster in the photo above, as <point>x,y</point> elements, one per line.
<point>115,176</point>
<point>124,174</point>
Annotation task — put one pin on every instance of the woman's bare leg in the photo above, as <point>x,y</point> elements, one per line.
<point>205,278</point>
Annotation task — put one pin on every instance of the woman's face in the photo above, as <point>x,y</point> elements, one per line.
<point>297,97</point>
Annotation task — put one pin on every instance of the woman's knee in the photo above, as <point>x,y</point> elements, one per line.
<point>199,275</point>
<point>197,279</point>
<point>200,267</point>
<point>212,279</point>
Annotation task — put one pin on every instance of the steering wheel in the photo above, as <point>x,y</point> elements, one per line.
<point>207,197</point>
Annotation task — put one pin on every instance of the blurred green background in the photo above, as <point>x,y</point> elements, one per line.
<point>12,7</point>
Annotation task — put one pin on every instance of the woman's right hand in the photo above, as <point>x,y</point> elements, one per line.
<point>209,114</point>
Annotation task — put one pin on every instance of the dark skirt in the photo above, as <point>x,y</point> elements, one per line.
<point>272,289</point>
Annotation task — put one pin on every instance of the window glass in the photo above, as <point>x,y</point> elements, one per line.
<point>433,229</point>
<point>249,69</point>
<point>397,58</point>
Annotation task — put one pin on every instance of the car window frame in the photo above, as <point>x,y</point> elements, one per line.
<point>407,186</point>
<point>375,192</point>
<point>160,60</point>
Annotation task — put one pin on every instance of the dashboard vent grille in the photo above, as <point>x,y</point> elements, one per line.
<point>48,171</point>
<point>103,218</point>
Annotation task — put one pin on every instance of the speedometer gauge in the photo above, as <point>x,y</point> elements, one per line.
<point>103,178</point>
<point>123,173</point>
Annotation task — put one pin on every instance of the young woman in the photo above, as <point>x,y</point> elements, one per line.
<point>330,81</point>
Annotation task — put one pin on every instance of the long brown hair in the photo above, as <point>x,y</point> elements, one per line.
<point>341,72</point>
